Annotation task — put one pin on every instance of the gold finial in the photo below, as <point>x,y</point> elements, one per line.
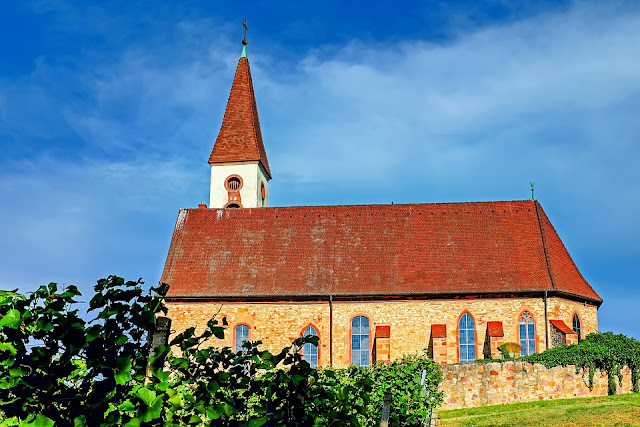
<point>244,39</point>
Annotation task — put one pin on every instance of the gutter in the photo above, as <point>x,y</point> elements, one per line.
<point>397,296</point>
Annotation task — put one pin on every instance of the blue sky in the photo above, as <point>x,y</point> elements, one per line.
<point>108,114</point>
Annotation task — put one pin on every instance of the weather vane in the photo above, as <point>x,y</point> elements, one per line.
<point>244,39</point>
<point>532,184</point>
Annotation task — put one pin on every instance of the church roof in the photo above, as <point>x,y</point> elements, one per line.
<point>240,137</point>
<point>370,250</point>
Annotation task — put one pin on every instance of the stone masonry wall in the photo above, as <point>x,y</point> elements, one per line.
<point>475,384</point>
<point>279,323</point>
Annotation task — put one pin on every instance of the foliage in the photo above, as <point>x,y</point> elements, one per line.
<point>56,368</point>
<point>604,351</point>
<point>411,402</point>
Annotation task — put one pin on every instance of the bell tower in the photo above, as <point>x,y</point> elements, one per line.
<point>239,167</point>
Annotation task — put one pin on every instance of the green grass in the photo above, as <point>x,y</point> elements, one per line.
<point>619,410</point>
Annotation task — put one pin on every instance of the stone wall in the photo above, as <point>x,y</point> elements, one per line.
<point>409,322</point>
<point>476,384</point>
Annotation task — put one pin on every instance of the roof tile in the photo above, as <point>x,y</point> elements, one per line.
<point>368,250</point>
<point>240,137</point>
<point>438,331</point>
<point>494,329</point>
<point>563,327</point>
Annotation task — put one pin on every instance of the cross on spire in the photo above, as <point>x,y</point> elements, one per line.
<point>244,39</point>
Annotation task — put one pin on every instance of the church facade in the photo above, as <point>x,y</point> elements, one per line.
<point>373,282</point>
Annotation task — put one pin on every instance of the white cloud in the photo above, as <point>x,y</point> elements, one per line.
<point>550,99</point>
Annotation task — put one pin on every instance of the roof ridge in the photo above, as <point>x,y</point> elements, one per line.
<point>544,245</point>
<point>363,205</point>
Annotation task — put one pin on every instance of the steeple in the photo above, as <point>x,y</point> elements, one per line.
<point>239,144</point>
<point>240,137</point>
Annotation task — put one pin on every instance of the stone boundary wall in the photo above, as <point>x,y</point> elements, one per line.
<point>480,384</point>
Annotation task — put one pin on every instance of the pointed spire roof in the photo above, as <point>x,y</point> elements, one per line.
<point>240,138</point>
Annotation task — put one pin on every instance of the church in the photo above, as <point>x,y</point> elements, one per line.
<point>373,282</point>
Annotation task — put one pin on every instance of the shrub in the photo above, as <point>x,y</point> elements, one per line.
<point>55,367</point>
<point>604,351</point>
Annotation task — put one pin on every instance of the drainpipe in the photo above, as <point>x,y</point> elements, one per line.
<point>546,322</point>
<point>331,330</point>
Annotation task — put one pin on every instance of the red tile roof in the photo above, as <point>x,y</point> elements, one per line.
<point>494,329</point>
<point>438,331</point>
<point>383,331</point>
<point>370,250</point>
<point>563,327</point>
<point>240,138</point>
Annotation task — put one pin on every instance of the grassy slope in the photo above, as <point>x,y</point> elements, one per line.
<point>620,410</point>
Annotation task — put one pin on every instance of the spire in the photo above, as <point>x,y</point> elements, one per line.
<point>240,138</point>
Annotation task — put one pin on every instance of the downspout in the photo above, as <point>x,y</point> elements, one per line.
<point>546,322</point>
<point>331,330</point>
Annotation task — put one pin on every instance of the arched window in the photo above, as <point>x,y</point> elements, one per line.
<point>576,326</point>
<point>527,334</point>
<point>360,341</point>
<point>467,338</point>
<point>310,351</point>
<point>242,336</point>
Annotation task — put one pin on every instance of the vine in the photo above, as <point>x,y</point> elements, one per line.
<point>58,369</point>
<point>606,351</point>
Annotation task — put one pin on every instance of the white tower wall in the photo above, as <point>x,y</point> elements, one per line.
<point>252,176</point>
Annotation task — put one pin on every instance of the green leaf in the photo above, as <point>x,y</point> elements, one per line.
<point>154,411</point>
<point>44,325</point>
<point>175,400</point>
<point>213,386</point>
<point>218,332</point>
<point>147,396</point>
<point>17,372</point>
<point>11,319</point>
<point>123,374</point>
<point>80,421</point>
<point>40,421</point>
<point>127,406</point>
<point>135,422</point>
<point>214,412</point>
<point>122,340</point>
<point>195,419</point>
<point>228,409</point>
<point>257,422</point>
<point>161,374</point>
<point>7,346</point>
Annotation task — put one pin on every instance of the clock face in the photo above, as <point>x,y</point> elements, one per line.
<point>263,192</point>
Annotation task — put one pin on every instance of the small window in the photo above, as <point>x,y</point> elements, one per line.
<point>467,338</point>
<point>310,351</point>
<point>263,191</point>
<point>233,183</point>
<point>232,206</point>
<point>242,336</point>
<point>360,341</point>
<point>527,334</point>
<point>576,326</point>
